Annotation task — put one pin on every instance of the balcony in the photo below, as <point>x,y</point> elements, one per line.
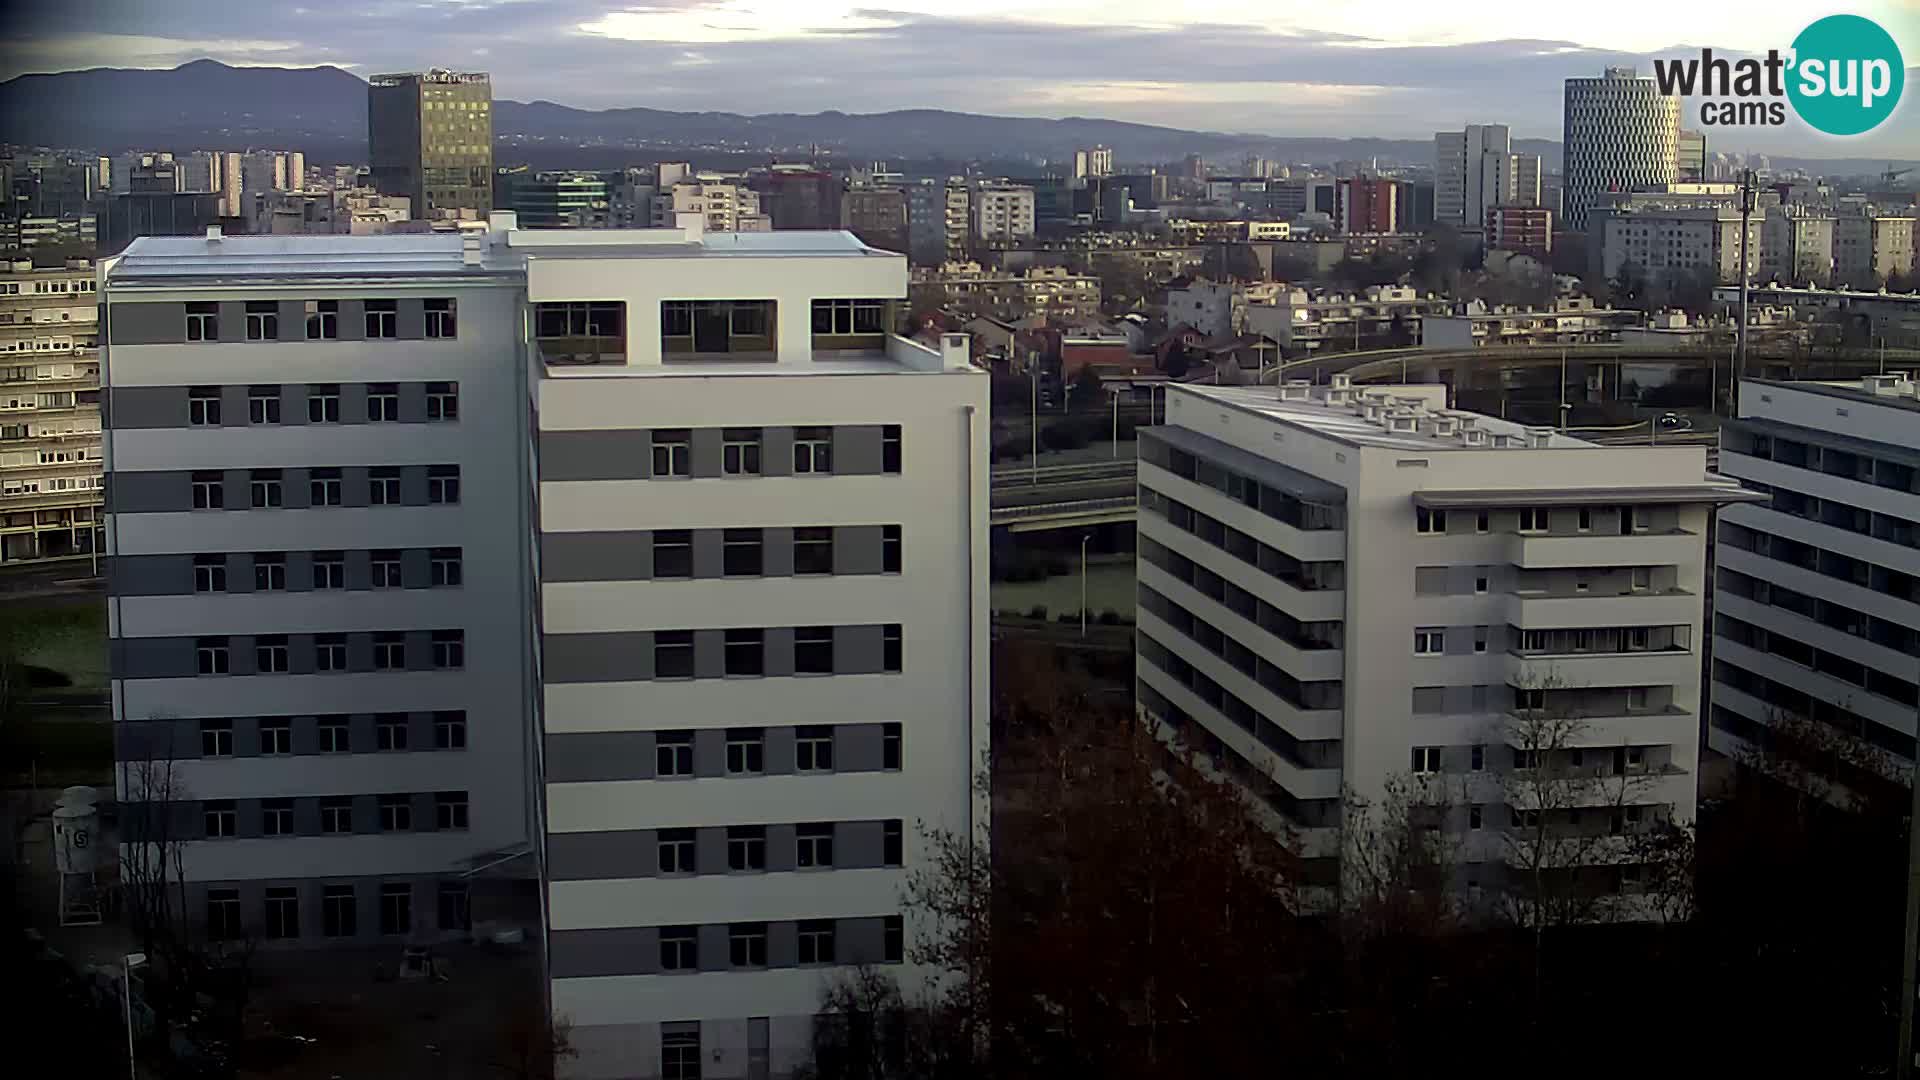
<point>1650,667</point>
<point>1543,612</point>
<point>1541,551</point>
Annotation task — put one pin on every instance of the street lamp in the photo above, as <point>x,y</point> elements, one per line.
<point>1083,583</point>
<point>127,964</point>
<point>1116,423</point>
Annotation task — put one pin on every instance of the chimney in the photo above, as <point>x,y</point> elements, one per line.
<point>956,350</point>
<point>470,248</point>
<point>213,234</point>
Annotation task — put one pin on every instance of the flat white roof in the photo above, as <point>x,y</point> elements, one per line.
<point>1341,422</point>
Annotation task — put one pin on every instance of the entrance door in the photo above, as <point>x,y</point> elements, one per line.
<point>711,328</point>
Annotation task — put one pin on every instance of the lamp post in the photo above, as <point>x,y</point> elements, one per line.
<point>1083,583</point>
<point>1116,423</point>
<point>1033,417</point>
<point>127,964</point>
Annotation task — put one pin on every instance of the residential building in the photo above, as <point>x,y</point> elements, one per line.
<point>263,170</point>
<point>232,186</point>
<point>430,138</point>
<point>1526,229</point>
<point>877,215</point>
<point>561,200</point>
<point>1869,247</point>
<point>718,756</point>
<point>1476,170</point>
<point>1002,213</point>
<point>722,201</point>
<point>1343,588</point>
<point>1093,161</point>
<point>630,198</point>
<point>1621,134</point>
<point>49,412</point>
<point>1010,295</point>
<point>800,196</point>
<point>1892,319</point>
<point>1568,320</point>
<point>1677,238</point>
<point>1213,308</point>
<point>937,221</point>
<point>1817,600</point>
<point>1796,245</point>
<point>1302,322</point>
<point>1691,157</point>
<point>1366,204</point>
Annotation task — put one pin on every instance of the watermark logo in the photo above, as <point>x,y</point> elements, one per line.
<point>1843,76</point>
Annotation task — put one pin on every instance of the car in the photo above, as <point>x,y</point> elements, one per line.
<point>1674,422</point>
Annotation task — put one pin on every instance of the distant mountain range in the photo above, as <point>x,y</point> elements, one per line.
<point>323,111</point>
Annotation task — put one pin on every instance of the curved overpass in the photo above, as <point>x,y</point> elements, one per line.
<point>1374,364</point>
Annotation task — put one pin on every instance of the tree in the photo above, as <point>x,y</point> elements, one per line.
<point>1084,395</point>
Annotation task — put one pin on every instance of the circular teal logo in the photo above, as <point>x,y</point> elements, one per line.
<point>1847,75</point>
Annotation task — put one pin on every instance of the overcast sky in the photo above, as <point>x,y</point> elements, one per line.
<point>1397,68</point>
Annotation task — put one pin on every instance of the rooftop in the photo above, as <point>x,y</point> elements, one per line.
<point>1340,412</point>
<point>1895,389</point>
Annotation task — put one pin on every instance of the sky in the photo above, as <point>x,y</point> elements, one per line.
<point>1390,68</point>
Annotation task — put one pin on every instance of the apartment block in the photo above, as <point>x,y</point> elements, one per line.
<point>647,563</point>
<point>1003,213</point>
<point>1342,587</point>
<point>50,468</point>
<point>1869,247</point>
<point>1817,600</point>
<point>1796,246</point>
<point>1475,170</point>
<point>724,203</point>
<point>1675,239</point>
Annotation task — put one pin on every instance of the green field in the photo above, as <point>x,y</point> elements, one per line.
<point>55,734</point>
<point>67,635</point>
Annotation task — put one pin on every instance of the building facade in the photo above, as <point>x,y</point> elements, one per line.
<point>50,464</point>
<point>1002,213</point>
<point>1366,204</point>
<point>1476,170</point>
<point>877,215</point>
<point>1817,602</point>
<point>430,138</point>
<point>1620,134</point>
<point>1527,229</point>
<point>1659,241</point>
<point>1870,247</point>
<point>1293,538</point>
<point>723,203</point>
<point>1796,246</point>
<point>561,201</point>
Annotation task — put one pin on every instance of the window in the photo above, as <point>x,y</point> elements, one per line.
<point>741,554</point>
<point>890,746</point>
<point>389,651</point>
<point>890,448</point>
<point>450,730</point>
<point>813,550</point>
<point>890,549</point>
<point>673,754</point>
<point>746,652</point>
<point>1524,759</point>
<point>443,401</point>
<point>440,313</point>
<point>334,735</point>
<point>747,945</point>
<point>583,320</point>
<point>223,914</point>
<point>1426,760</point>
<point>443,484</point>
<point>1534,519</point>
<point>323,320</point>
<point>396,908</point>
<point>816,941</point>
<point>1479,757</point>
<point>679,948</point>
<point>222,819</point>
<point>216,738</point>
<point>1474,818</point>
<point>385,569</point>
<point>812,450</point>
<point>1637,700</point>
<point>1639,519</point>
<point>264,488</point>
<point>672,452</point>
<point>841,317</point>
<point>746,847</point>
<point>329,570</point>
<point>338,917</point>
<point>890,648</point>
<point>1642,579</point>
<point>673,654</point>
<point>1479,639</point>
<point>209,573</point>
<point>323,404</point>
<point>276,817</point>
<point>283,912</point>
<point>1585,519</point>
<point>680,1051</point>
<point>1481,583</point>
<point>269,571</point>
<point>1529,698</point>
<point>676,851</point>
<point>444,566</point>
<point>211,655</point>
<point>456,912</point>
<point>450,810</point>
<point>1638,639</point>
<point>383,486</point>
<point>203,406</point>
<point>1429,641</point>
<point>813,749</point>
<point>1429,521</point>
<point>1481,521</point>
<point>672,553</point>
<point>746,751</point>
<point>323,487</point>
<point>383,402</point>
<point>740,452</point>
<point>203,321</point>
<point>1526,819</point>
<point>263,321</point>
<point>892,842</point>
<point>816,846</point>
<point>209,491</point>
<point>396,813</point>
<point>276,735</point>
<point>449,649</point>
<point>383,318</point>
<point>813,650</point>
<point>390,731</point>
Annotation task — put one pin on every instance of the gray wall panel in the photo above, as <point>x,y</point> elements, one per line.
<point>413,399</point>
<point>856,450</point>
<point>599,755</point>
<point>616,657</point>
<point>705,452</point>
<point>783,944</point>
<point>601,556</point>
<point>709,654</point>
<point>412,326</point>
<point>776,451</point>
<point>147,324</point>
<point>233,402</point>
<point>587,953</point>
<point>779,644</point>
<point>710,751</point>
<point>595,455</point>
<point>856,549</point>
<point>781,847</point>
<point>709,553</point>
<point>150,492</point>
<point>779,752</point>
<point>413,485</point>
<point>858,845</point>
<point>595,856</point>
<point>150,575</point>
<point>353,397</point>
<point>710,850</point>
<point>856,747</point>
<point>233,320</point>
<point>353,324</point>
<point>155,658</point>
<point>777,551</point>
<point>713,947</point>
<point>148,407</point>
<point>857,650</point>
<point>859,941</point>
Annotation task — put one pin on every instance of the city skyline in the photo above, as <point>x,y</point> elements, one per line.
<point>1219,71</point>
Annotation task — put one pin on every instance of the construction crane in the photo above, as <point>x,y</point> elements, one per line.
<point>1887,178</point>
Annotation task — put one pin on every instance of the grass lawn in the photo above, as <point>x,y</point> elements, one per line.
<point>68,635</point>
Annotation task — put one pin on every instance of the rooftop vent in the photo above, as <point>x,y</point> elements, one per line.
<point>470,248</point>
<point>1892,384</point>
<point>1445,426</point>
<point>1372,411</point>
<point>1539,436</point>
<point>1342,382</point>
<point>1295,390</point>
<point>1473,436</point>
<point>1403,423</point>
<point>213,234</point>
<point>1338,396</point>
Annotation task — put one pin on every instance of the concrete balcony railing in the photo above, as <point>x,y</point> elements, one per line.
<point>1650,608</point>
<point>1544,551</point>
<point>1572,670</point>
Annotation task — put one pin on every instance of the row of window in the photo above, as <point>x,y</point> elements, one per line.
<point>1615,761</point>
<point>1534,520</point>
<point>334,734</point>
<point>746,847</point>
<point>1828,613</point>
<point>671,451</point>
<point>744,551</point>
<point>1862,467</point>
<point>220,818</point>
<point>272,655</point>
<point>746,651</point>
<point>1301,694</point>
<point>1327,634</point>
<point>1314,754</point>
<point>445,569</point>
<point>280,916</point>
<point>266,488</point>
<point>1282,506</point>
<point>381,319</point>
<point>1242,546</point>
<point>816,943</point>
<point>1842,515</point>
<point>1823,561</point>
<point>323,404</point>
<point>1781,699</point>
<point>746,750</point>
<point>1795,651</point>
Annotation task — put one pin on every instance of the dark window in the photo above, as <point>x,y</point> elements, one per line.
<point>443,401</point>
<point>385,567</point>
<point>892,842</point>
<point>890,647</point>
<point>455,911</point>
<point>335,735</point>
<point>672,452</point>
<point>890,746</point>
<point>443,484</point>
<point>844,317</point>
<point>676,851</point>
<point>746,652</point>
<point>223,914</point>
<point>813,748</point>
<point>269,571</point>
<point>746,751</point>
<point>440,317</point>
<point>746,847</point>
<point>390,731</point>
<point>890,549</point>
<point>396,908</point>
<point>673,753</point>
<point>813,450</point>
<point>741,552</point>
<point>815,846</point>
<point>383,402</point>
<point>323,487</point>
<point>893,940</point>
<point>263,320</point>
<point>673,654</point>
<point>445,567</point>
<point>216,737</point>
<point>276,817</point>
<point>680,1052</point>
<point>283,912</point>
<point>323,403</point>
<point>222,820</point>
<point>210,654</point>
<point>740,452</point>
<point>270,654</point>
<point>203,406</point>
<point>263,405</point>
<point>396,813</point>
<point>389,651</point>
<point>679,948</point>
<point>338,916</point>
<point>813,650</point>
<point>329,570</point>
<point>336,814</point>
<point>890,448</point>
<point>276,735</point>
<point>450,730</point>
<point>747,945</point>
<point>323,320</point>
<point>672,553</point>
<point>449,649</point>
<point>450,810</point>
<point>203,321</point>
<point>383,318</point>
<point>264,488</point>
<point>813,550</point>
<point>209,491</point>
<point>816,941</point>
<point>209,573</point>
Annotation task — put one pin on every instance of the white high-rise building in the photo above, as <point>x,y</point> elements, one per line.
<point>1621,134</point>
<point>1796,246</point>
<point>1869,247</point>
<point>1476,170</point>
<point>647,560</point>
<point>1346,585</point>
<point>50,465</point>
<point>1002,213</point>
<point>232,185</point>
<point>724,204</point>
<point>1817,602</point>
